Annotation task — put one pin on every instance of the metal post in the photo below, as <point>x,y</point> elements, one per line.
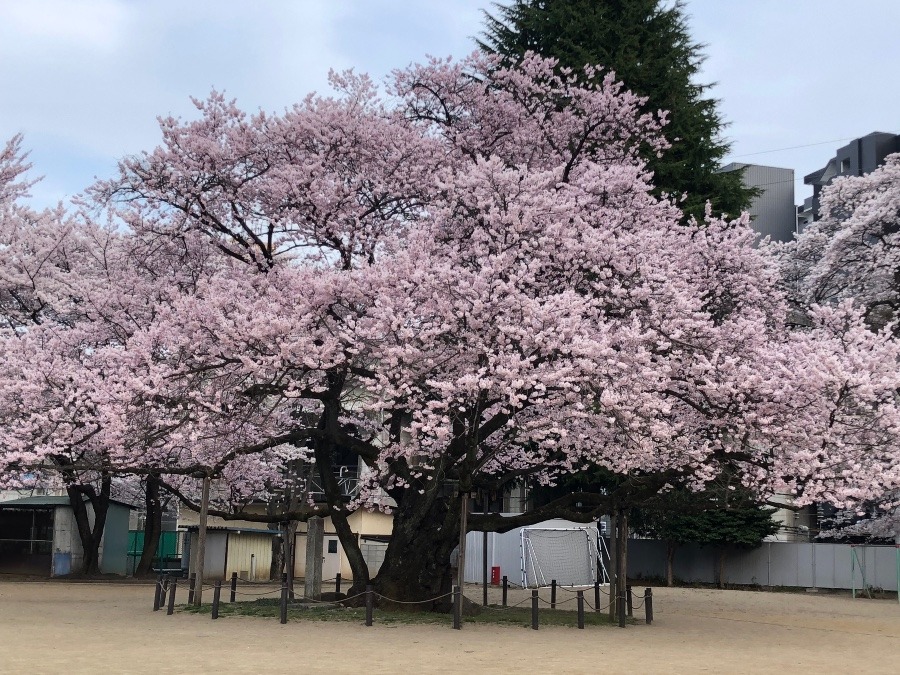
<point>553,594</point>
<point>192,582</point>
<point>597,596</point>
<point>457,608</point>
<point>201,541</point>
<point>534,609</point>
<point>852,572</point>
<point>285,591</point>
<point>217,593</point>
<point>506,583</point>
<point>629,601</point>
<point>484,555</point>
<point>337,583</point>
<point>648,604</point>
<point>233,586</point>
<point>156,594</point>
<point>370,601</point>
<point>173,584</point>
<point>580,603</point>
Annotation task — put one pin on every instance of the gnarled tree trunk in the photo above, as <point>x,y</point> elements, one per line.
<point>152,524</point>
<point>417,561</point>
<point>90,534</point>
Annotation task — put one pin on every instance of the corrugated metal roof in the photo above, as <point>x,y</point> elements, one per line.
<point>238,530</point>
<point>37,501</point>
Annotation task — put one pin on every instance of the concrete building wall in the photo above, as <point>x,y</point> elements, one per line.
<point>66,542</point>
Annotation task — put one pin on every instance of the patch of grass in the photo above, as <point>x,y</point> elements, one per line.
<point>493,614</point>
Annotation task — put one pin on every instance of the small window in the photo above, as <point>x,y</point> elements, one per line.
<point>332,545</point>
<point>845,165</point>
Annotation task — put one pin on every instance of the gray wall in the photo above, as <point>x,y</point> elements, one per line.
<point>773,212</point>
<point>114,555</point>
<point>773,564</point>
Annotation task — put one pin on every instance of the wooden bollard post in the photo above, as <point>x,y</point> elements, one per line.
<point>457,608</point>
<point>285,593</point>
<point>192,583</point>
<point>337,582</point>
<point>173,584</point>
<point>505,588</point>
<point>233,595</point>
<point>597,596</point>
<point>648,604</point>
<point>620,610</point>
<point>553,594</point>
<point>157,601</point>
<point>534,609</point>
<point>629,601</point>
<point>580,603</point>
<point>370,604</point>
<point>217,595</point>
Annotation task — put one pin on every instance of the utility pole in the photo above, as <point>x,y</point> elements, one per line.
<point>201,540</point>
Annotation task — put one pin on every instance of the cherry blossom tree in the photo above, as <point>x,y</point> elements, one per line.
<point>464,282</point>
<point>848,261</point>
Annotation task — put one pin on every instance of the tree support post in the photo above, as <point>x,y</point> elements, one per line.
<point>285,591</point>
<point>233,595</point>
<point>156,593</point>
<point>370,603</point>
<point>173,584</point>
<point>580,603</point>
<point>648,604</point>
<point>457,608</point>
<point>217,594</point>
<point>534,609</point>
<point>201,542</point>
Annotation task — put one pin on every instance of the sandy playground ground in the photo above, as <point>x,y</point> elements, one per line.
<point>59,627</point>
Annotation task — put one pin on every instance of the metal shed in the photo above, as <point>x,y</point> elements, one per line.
<point>38,536</point>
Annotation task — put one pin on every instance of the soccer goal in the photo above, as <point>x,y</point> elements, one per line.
<point>564,554</point>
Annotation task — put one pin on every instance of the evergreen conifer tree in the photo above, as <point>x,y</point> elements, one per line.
<point>648,45</point>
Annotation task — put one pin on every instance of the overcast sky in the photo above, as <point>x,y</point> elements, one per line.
<point>85,79</point>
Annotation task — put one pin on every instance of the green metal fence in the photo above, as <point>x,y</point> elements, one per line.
<point>167,556</point>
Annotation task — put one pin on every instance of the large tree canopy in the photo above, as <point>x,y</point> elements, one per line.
<point>850,259</point>
<point>464,283</point>
<point>647,44</point>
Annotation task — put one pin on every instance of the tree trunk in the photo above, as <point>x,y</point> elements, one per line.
<point>417,561</point>
<point>152,525</point>
<point>613,562</point>
<point>278,557</point>
<point>90,535</point>
<point>670,563</point>
<point>621,554</point>
<point>720,571</point>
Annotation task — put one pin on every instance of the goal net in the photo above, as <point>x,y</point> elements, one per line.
<point>564,554</point>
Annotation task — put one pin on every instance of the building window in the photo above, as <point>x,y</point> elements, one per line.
<point>845,165</point>
<point>332,545</point>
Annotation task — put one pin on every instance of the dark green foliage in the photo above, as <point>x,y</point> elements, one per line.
<point>648,45</point>
<point>716,517</point>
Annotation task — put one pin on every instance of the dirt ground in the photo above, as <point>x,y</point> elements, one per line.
<point>58,627</point>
